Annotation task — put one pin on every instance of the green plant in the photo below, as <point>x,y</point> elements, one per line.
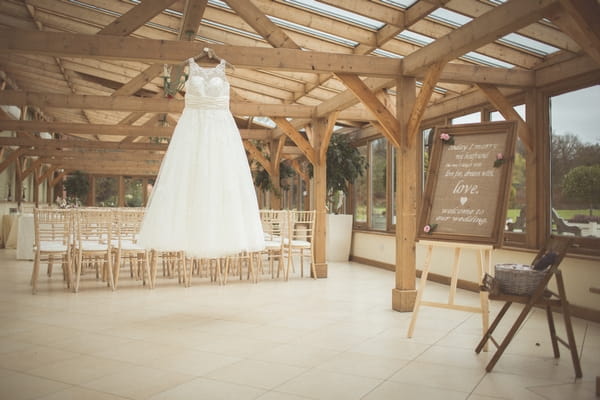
<point>77,186</point>
<point>345,164</point>
<point>263,181</point>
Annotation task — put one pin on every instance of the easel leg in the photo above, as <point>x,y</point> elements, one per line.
<point>422,284</point>
<point>567,317</point>
<point>454,277</point>
<point>485,265</point>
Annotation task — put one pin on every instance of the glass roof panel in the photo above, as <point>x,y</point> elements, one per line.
<point>337,13</point>
<point>525,43</point>
<point>400,3</point>
<point>485,60</point>
<point>385,53</point>
<point>313,32</point>
<point>449,17</point>
<point>414,37</point>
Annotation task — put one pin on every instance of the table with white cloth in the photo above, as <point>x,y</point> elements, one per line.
<point>8,231</point>
<point>25,237</point>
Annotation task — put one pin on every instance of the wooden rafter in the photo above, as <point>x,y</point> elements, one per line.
<point>79,144</point>
<point>508,112</point>
<point>137,16</point>
<point>580,19</point>
<point>423,99</point>
<point>192,16</point>
<point>110,130</point>
<point>12,157</point>
<point>257,155</point>
<point>367,97</point>
<point>301,142</point>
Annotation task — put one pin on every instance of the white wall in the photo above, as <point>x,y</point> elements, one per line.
<point>579,274</point>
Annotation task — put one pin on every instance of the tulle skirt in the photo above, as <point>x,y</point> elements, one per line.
<point>203,201</point>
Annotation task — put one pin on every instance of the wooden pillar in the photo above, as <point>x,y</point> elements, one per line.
<point>18,182</point>
<point>36,186</point>
<point>91,200</point>
<point>537,169</point>
<point>121,201</point>
<point>321,129</point>
<point>408,184</point>
<point>276,194</point>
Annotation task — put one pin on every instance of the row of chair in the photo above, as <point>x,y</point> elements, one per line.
<point>97,237</point>
<point>103,238</point>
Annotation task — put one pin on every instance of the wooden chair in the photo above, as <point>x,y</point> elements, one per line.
<point>128,223</point>
<point>541,296</point>
<point>275,228</point>
<point>93,243</point>
<point>53,230</point>
<point>301,236</point>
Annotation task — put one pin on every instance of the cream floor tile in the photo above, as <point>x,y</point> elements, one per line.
<point>300,356</point>
<point>33,357</point>
<point>44,335</point>
<point>202,388</point>
<point>439,376</point>
<point>234,345</point>
<point>391,347</point>
<point>578,390</point>
<point>259,374</point>
<point>21,386</point>
<point>451,356</point>
<point>330,339</point>
<point>560,369</point>
<point>137,382</point>
<point>88,342</point>
<point>9,344</point>
<point>511,386</point>
<point>138,352</point>
<point>320,384</point>
<point>366,365</point>
<point>192,362</point>
<point>80,369</point>
<point>395,390</point>
<point>78,393</point>
<point>273,395</point>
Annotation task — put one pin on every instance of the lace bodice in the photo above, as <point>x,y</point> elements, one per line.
<point>207,88</point>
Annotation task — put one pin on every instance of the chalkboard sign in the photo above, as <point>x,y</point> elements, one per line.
<point>468,182</point>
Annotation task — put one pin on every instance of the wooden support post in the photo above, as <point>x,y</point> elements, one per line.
<point>275,177</point>
<point>320,138</point>
<point>121,202</point>
<point>409,185</point>
<point>538,196</point>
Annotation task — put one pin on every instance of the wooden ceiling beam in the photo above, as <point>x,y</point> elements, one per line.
<point>303,144</point>
<point>580,19</point>
<point>500,21</point>
<point>137,16</point>
<point>144,104</point>
<point>79,144</point>
<point>498,100</point>
<point>110,130</point>
<point>192,17</point>
<point>384,116</point>
<point>257,155</point>
<point>173,52</point>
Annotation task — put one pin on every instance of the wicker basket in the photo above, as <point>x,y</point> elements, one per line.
<point>518,279</point>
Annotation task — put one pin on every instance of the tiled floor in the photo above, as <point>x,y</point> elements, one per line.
<point>334,338</point>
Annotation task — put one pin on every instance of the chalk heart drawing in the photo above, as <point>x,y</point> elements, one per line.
<point>463,200</point>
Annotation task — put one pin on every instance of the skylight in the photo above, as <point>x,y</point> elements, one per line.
<point>485,60</point>
<point>400,3</point>
<point>449,17</point>
<point>385,53</point>
<point>232,29</point>
<point>415,38</point>
<point>313,32</point>
<point>337,13</point>
<point>527,44</point>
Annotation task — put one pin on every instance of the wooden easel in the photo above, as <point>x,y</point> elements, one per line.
<point>484,264</point>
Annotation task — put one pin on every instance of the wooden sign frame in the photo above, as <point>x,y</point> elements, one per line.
<point>467,187</point>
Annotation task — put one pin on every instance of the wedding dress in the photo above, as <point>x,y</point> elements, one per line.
<point>203,201</point>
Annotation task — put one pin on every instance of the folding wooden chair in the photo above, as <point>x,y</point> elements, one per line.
<point>541,296</point>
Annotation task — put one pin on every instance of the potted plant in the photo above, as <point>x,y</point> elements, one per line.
<point>344,165</point>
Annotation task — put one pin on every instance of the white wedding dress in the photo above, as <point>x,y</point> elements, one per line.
<point>203,201</point>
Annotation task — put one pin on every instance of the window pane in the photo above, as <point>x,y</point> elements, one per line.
<point>134,195</point>
<point>377,164</point>
<point>360,193</point>
<point>575,163</point>
<point>516,213</point>
<point>467,119</point>
<point>107,191</point>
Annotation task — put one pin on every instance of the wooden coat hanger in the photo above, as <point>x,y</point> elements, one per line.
<point>212,55</point>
